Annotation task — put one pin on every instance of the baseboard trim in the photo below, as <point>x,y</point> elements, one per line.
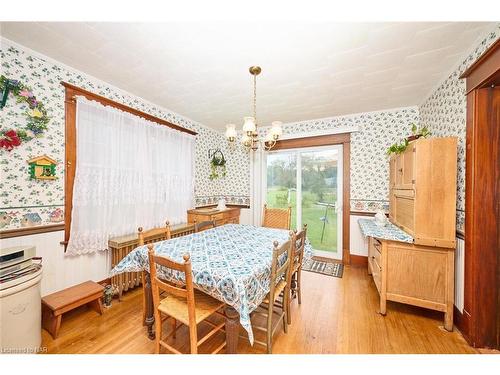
<point>359,261</point>
<point>461,322</point>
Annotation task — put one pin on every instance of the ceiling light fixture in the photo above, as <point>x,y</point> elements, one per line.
<point>250,138</point>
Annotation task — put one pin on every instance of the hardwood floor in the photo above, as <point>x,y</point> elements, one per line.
<point>336,316</point>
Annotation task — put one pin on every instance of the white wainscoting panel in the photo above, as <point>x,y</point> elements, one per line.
<point>459,274</point>
<point>358,243</point>
<point>59,270</point>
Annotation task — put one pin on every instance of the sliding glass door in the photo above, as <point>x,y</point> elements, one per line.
<point>310,180</point>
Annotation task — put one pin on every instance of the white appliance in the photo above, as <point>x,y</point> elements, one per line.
<point>15,259</point>
<point>20,301</point>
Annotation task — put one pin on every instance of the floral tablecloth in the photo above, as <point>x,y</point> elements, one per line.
<point>231,263</point>
<point>386,232</point>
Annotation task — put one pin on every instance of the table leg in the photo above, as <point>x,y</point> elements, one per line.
<point>232,330</point>
<point>149,321</point>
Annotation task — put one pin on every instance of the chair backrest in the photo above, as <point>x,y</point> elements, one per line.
<point>278,272</point>
<point>198,227</point>
<point>290,256</point>
<point>185,291</point>
<point>154,235</point>
<point>299,245</point>
<point>277,217</point>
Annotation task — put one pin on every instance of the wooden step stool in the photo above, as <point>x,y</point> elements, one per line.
<point>55,304</point>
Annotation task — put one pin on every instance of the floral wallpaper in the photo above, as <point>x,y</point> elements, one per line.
<point>369,163</point>
<point>444,112</point>
<point>25,202</point>
<point>235,187</point>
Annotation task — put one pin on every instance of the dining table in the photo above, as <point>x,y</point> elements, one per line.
<point>232,263</point>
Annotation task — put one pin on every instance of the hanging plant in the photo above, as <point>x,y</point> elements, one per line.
<point>36,114</point>
<point>217,165</point>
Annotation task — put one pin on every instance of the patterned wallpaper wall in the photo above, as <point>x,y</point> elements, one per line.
<point>369,163</point>
<point>235,187</point>
<point>444,111</point>
<point>25,202</point>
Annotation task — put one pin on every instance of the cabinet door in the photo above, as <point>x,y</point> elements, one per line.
<point>392,205</point>
<point>392,171</point>
<point>398,171</point>
<point>408,175</point>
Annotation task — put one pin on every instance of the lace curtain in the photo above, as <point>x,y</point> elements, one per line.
<point>130,172</point>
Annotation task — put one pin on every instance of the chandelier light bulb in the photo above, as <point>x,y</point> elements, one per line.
<point>276,128</point>
<point>231,132</point>
<point>251,138</point>
<point>249,125</point>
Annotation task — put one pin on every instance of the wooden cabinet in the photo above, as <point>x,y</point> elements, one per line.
<point>422,199</point>
<point>228,216</point>
<point>413,274</point>
<point>422,195</point>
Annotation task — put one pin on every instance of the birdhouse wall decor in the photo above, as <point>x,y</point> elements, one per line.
<point>42,168</point>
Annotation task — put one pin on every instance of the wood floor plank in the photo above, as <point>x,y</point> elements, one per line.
<point>336,316</point>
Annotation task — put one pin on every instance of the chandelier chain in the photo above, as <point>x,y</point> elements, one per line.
<point>255,99</point>
<point>251,139</point>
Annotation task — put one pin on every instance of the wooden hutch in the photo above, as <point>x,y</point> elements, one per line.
<point>419,271</point>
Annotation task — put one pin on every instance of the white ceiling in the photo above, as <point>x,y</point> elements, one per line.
<point>308,70</point>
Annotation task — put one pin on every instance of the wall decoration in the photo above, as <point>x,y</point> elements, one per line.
<point>31,220</point>
<point>44,75</point>
<point>5,218</point>
<point>35,113</point>
<point>42,168</point>
<point>217,164</point>
<point>56,216</point>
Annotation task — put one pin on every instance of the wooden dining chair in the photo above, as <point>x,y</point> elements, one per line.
<point>154,235</point>
<point>277,217</point>
<point>278,287</point>
<point>182,303</point>
<point>150,236</point>
<point>203,225</point>
<point>294,281</point>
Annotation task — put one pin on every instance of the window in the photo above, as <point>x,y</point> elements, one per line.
<point>129,169</point>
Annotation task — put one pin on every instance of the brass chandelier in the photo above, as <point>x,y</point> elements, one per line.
<point>251,138</point>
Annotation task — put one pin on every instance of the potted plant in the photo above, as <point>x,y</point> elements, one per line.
<point>398,147</point>
<point>217,165</point>
<point>416,133</point>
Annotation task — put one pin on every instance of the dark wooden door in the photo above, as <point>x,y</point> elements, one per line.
<point>482,259</point>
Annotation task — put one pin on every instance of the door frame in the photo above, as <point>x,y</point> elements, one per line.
<point>343,139</point>
<point>340,202</point>
<point>480,321</point>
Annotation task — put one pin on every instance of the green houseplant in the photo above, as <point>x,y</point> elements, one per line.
<point>217,165</point>
<point>416,133</point>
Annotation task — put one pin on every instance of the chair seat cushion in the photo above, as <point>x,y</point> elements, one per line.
<point>277,291</point>
<point>177,307</point>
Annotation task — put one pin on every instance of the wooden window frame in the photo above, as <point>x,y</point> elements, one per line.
<point>71,92</point>
<point>343,139</point>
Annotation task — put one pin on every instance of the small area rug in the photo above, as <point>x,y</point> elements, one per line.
<point>326,268</point>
